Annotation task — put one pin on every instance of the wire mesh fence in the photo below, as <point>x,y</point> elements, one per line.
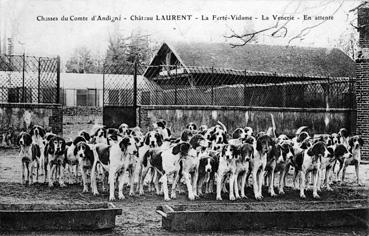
<point>29,79</point>
<point>177,85</point>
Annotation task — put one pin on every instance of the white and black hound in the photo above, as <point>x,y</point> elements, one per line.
<point>116,159</point>
<point>55,157</point>
<point>30,156</point>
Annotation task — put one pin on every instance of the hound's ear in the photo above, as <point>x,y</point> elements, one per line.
<point>75,150</point>
<point>51,148</point>
<point>225,138</point>
<point>194,126</point>
<point>351,142</point>
<point>146,140</point>
<point>164,123</point>
<point>176,149</point>
<point>361,141</point>
<point>310,152</point>
<point>258,145</point>
<point>42,132</point>
<point>169,133</point>
<point>31,132</point>
<point>63,144</point>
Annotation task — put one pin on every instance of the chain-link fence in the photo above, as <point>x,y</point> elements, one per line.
<point>29,79</point>
<point>177,85</point>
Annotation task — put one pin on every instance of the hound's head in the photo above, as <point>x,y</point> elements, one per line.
<point>37,131</point>
<point>198,141</point>
<point>24,139</point>
<point>264,144</point>
<point>84,154</point>
<point>191,126</point>
<point>356,142</point>
<point>78,139</point>
<point>203,128</point>
<point>160,124</point>
<point>219,137</point>
<point>153,139</point>
<point>128,146</point>
<point>100,132</point>
<point>56,145</point>
<point>85,135</point>
<point>249,131</point>
<point>319,149</point>
<point>209,161</point>
<point>186,135</point>
<point>239,133</point>
<point>287,152</point>
<point>123,129</point>
<point>184,149</point>
<point>341,152</point>
<point>302,136</point>
<point>343,133</point>
<point>335,138</point>
<point>229,152</point>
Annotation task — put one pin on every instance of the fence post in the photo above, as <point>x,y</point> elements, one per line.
<point>244,90</point>
<point>327,95</point>
<point>103,93</point>
<point>135,85</point>
<point>57,80</point>
<point>212,86</point>
<point>39,80</point>
<point>23,75</point>
<point>175,90</point>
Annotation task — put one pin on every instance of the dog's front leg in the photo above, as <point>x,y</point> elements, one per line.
<point>93,179</point>
<point>243,184</point>
<point>120,186</point>
<point>261,175</point>
<point>194,183</point>
<point>61,176</point>
<point>164,180</point>
<point>187,178</point>
<point>302,184</point>
<point>141,178</point>
<point>271,183</point>
<point>23,174</point>
<point>219,185</point>
<point>232,187</point>
<point>112,173</point>
<point>316,177</point>
<point>255,181</point>
<point>357,166</point>
<point>84,180</point>
<point>50,174</point>
<point>236,185</point>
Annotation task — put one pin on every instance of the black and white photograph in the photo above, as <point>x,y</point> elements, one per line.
<point>196,117</point>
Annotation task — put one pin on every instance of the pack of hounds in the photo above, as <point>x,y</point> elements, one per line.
<point>204,158</point>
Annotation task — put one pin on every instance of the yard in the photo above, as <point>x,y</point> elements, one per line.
<point>139,215</point>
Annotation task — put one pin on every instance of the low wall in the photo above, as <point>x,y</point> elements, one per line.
<point>259,118</point>
<point>82,115</point>
<point>20,116</point>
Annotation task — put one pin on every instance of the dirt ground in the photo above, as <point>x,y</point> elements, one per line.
<point>139,216</point>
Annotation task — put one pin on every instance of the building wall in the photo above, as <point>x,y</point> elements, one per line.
<point>82,115</point>
<point>259,118</point>
<point>362,84</point>
<point>21,116</point>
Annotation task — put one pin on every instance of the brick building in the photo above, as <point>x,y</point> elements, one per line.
<point>362,73</point>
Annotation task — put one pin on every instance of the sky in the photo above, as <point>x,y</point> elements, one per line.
<point>50,38</point>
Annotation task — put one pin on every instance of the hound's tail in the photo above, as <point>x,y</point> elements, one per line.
<point>223,126</point>
<point>299,130</point>
<point>271,130</point>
